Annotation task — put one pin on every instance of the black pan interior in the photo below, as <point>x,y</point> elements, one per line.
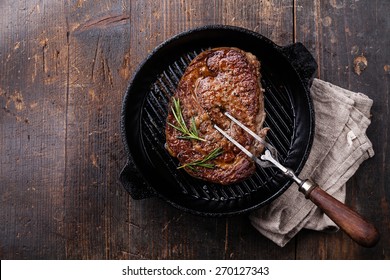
<point>145,107</point>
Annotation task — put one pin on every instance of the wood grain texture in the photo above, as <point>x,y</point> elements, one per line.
<point>65,66</point>
<point>96,206</point>
<point>32,116</point>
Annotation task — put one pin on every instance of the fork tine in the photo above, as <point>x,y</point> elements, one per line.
<point>254,135</point>
<point>267,145</point>
<point>242,148</point>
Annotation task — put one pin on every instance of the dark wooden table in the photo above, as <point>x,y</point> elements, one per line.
<point>65,66</point>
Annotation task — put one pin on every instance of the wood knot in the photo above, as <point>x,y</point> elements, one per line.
<point>360,64</point>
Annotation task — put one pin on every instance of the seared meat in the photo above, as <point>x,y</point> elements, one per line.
<point>217,80</point>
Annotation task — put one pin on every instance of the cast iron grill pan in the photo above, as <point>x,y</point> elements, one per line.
<point>286,77</point>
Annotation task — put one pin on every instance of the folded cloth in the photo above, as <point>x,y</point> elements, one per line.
<point>340,145</point>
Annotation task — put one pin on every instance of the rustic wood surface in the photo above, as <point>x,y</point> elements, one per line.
<point>64,69</point>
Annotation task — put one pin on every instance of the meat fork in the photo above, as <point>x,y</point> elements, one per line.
<point>354,225</point>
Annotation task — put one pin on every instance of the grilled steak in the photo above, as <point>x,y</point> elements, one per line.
<point>217,80</point>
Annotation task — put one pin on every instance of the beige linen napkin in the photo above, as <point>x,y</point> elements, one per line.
<point>340,145</point>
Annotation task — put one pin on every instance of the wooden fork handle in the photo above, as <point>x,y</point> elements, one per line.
<point>358,228</point>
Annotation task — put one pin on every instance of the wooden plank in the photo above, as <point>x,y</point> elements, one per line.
<point>33,57</point>
<point>272,19</point>
<point>339,33</point>
<point>96,205</point>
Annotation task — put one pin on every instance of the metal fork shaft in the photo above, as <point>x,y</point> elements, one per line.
<point>242,148</point>
<point>254,135</point>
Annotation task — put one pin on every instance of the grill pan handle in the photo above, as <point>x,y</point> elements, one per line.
<point>302,61</point>
<point>134,183</point>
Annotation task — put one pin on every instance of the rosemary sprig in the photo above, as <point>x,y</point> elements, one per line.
<point>203,162</point>
<point>191,133</point>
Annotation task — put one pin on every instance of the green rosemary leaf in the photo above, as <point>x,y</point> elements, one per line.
<point>194,129</point>
<point>203,162</point>
<point>176,127</point>
<point>181,126</point>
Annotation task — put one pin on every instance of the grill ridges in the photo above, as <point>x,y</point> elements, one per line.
<point>279,117</point>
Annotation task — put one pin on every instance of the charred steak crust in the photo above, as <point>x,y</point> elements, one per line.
<point>218,80</point>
